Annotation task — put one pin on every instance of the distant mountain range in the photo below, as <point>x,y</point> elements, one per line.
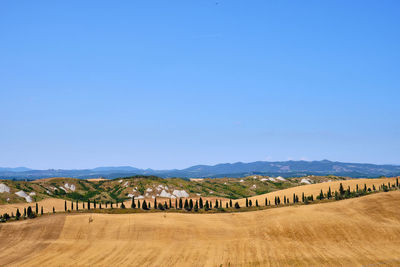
<point>239,169</point>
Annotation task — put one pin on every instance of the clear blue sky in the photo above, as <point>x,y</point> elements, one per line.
<point>169,84</point>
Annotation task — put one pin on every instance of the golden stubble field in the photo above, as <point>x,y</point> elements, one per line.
<point>353,232</point>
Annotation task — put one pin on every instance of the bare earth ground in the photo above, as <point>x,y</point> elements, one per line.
<point>353,232</point>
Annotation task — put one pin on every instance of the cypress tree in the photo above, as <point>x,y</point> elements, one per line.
<point>24,212</point>
<point>37,208</point>
<point>94,204</point>
<point>266,202</point>
<point>155,203</point>
<point>329,193</point>
<point>250,203</point>
<point>122,205</point>
<point>276,201</point>
<point>196,206</point>
<point>165,205</point>
<point>99,205</point>
<point>302,197</point>
<point>176,204</point>
<point>65,205</point>
<point>216,204</point>
<point>206,206</point>
<point>77,205</point>
<point>41,210</point>
<point>294,198</point>
<point>17,214</point>
<point>397,182</point>
<point>144,206</point>
<point>321,195</point>
<point>210,204</point>
<point>230,203</point>
<point>170,203</point>
<point>247,203</point>
<point>256,203</point>
<point>341,190</point>
<point>373,187</point>
<point>220,203</point>
<point>29,212</point>
<point>180,203</point>
<point>54,210</point>
<point>279,200</point>
<point>138,204</point>
<point>186,207</point>
<point>201,203</point>
<point>357,188</point>
<point>237,206</point>
<point>88,204</point>
<point>72,205</point>
<point>191,204</point>
<point>149,205</point>
<point>227,205</point>
<point>284,200</point>
<point>297,199</point>
<point>83,205</point>
<point>365,187</point>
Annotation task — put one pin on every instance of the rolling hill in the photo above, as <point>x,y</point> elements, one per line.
<point>354,232</point>
<point>239,169</point>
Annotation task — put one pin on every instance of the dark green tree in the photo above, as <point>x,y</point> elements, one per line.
<point>30,213</point>
<point>180,203</point>
<point>133,205</point>
<point>41,210</point>
<point>206,206</point>
<point>88,204</point>
<point>54,210</point>
<point>94,204</point>
<point>77,205</point>
<point>250,203</point>
<point>165,205</point>
<point>201,203</point>
<point>37,208</point>
<point>230,203</point>
<point>72,205</point>
<point>321,195</point>
<point>329,195</point>
<point>237,206</point>
<point>170,203</point>
<point>176,204</point>
<point>99,205</point>
<point>138,204</point>
<point>341,189</point>
<point>216,204</point>
<point>302,197</point>
<point>220,203</point>
<point>144,206</point>
<point>227,206</point>
<point>65,205</point>
<point>196,206</point>
<point>17,214</point>
<point>186,207</point>
<point>190,204</point>
<point>256,203</point>
<point>24,212</point>
<point>247,203</point>
<point>155,203</point>
<point>122,205</point>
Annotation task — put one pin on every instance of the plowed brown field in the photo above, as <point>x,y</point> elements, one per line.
<point>353,232</point>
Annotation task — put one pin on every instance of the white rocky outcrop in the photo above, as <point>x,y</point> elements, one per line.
<point>4,188</point>
<point>264,179</point>
<point>70,187</point>
<point>280,178</point>
<point>140,197</point>
<point>126,184</point>
<point>241,181</point>
<point>305,181</point>
<point>24,195</point>
<point>165,194</point>
<point>32,194</point>
<point>180,193</point>
<point>149,190</point>
<point>272,179</point>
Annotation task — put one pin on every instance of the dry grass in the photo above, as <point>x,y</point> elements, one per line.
<point>352,232</point>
